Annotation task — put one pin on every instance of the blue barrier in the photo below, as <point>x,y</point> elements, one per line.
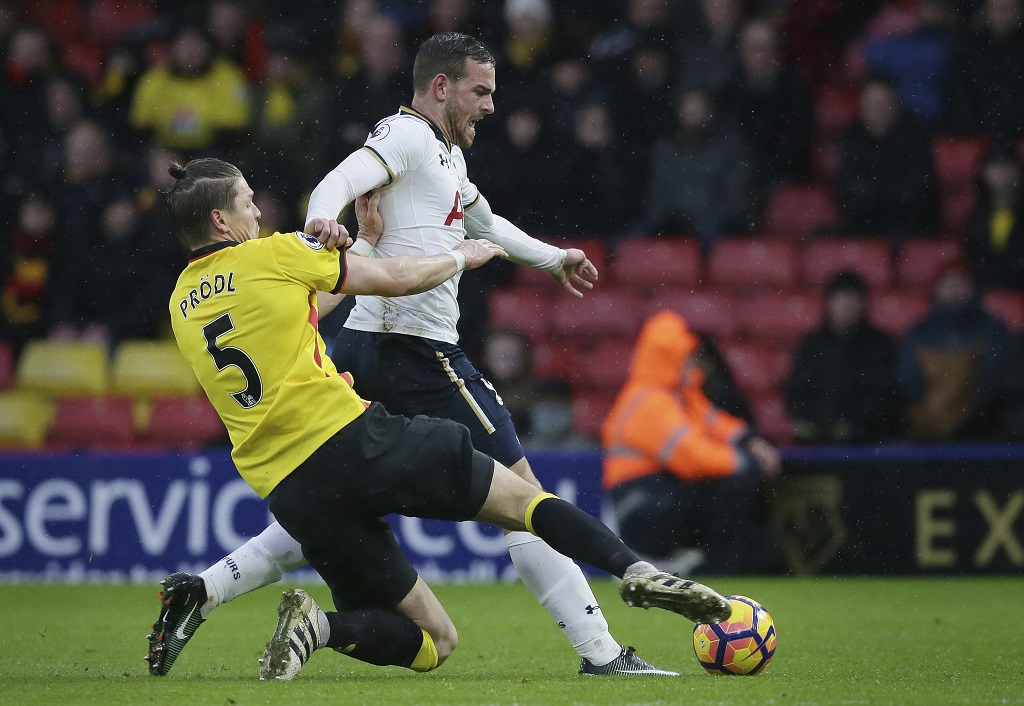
<point>138,516</point>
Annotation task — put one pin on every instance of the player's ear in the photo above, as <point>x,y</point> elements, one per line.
<point>217,219</point>
<point>440,86</point>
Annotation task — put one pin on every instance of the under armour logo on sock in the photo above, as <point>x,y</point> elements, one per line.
<point>591,609</point>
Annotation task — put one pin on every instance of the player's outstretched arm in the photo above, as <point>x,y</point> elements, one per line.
<point>401,276</point>
<point>577,271</point>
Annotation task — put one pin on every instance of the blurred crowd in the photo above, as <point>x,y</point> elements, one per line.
<point>614,119</point>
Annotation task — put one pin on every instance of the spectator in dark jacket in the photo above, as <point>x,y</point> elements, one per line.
<point>772,106</point>
<point>988,73</point>
<point>700,176</point>
<point>994,240</point>
<point>886,179</point>
<point>951,362</point>
<point>842,387</point>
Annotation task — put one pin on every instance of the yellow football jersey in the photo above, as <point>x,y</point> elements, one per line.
<point>245,318</point>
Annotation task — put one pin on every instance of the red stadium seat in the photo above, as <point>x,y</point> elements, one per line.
<point>520,309</point>
<point>59,19</point>
<point>605,367</point>
<point>1008,305</point>
<point>84,59</point>
<point>922,259</point>
<point>93,422</point>
<point>870,258</point>
<point>757,368</point>
<point>772,420</point>
<point>835,109</point>
<point>707,312</point>
<point>589,410</point>
<point>795,211</point>
<point>647,264</point>
<point>745,263</point>
<point>599,313</point>
<point>109,20</point>
<point>554,359</point>
<point>6,366</point>
<point>956,166</point>
<point>893,311</point>
<point>185,422</point>
<point>780,317</point>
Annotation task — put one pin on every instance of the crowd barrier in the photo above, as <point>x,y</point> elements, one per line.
<point>96,517</point>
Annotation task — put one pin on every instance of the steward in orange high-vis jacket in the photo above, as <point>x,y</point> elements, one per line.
<point>682,474</point>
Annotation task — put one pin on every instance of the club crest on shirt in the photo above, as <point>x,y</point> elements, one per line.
<point>310,240</point>
<point>380,131</point>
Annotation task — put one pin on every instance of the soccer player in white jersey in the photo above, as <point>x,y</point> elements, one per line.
<point>404,351</point>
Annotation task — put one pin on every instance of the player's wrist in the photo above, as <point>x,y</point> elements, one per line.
<point>361,247</point>
<point>460,259</point>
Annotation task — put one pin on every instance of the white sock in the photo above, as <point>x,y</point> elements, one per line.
<point>563,591</point>
<point>261,561</point>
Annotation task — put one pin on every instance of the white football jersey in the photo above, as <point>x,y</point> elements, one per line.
<point>422,207</point>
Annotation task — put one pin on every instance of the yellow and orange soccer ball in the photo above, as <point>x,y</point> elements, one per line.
<point>743,644</point>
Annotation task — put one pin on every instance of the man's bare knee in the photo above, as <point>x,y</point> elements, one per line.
<point>522,469</point>
<point>445,642</point>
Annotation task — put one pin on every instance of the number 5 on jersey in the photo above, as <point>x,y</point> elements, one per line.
<point>230,356</point>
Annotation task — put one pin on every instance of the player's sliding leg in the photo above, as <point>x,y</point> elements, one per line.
<point>515,504</point>
<point>261,561</point>
<point>375,636</point>
<point>563,591</point>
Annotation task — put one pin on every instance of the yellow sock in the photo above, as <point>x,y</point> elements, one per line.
<point>426,658</point>
<point>533,506</point>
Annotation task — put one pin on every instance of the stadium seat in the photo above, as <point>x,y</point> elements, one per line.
<point>84,59</point>
<point>60,19</point>
<point>93,422</point>
<point>649,264</point>
<point>869,257</point>
<point>771,418</point>
<point>24,419</point>
<point>589,410</point>
<point>6,365</point>
<point>184,422</point>
<point>956,167</point>
<point>921,260</point>
<point>605,367</point>
<point>554,359</point>
<point>757,368</point>
<point>711,313</point>
<point>110,20</point>
<point>150,369</point>
<point>746,263</point>
<point>520,309</point>
<point>63,369</point>
<point>835,109</point>
<point>780,317</point>
<point>796,211</point>
<point>893,311</point>
<point>1008,305</point>
<point>599,313</point>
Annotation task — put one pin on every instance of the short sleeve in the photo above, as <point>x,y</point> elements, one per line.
<point>400,143</point>
<point>304,260</point>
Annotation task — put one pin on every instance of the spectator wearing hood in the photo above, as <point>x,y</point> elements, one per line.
<point>952,360</point>
<point>682,474</point>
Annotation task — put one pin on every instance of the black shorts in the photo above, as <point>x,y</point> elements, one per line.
<point>411,375</point>
<point>332,504</point>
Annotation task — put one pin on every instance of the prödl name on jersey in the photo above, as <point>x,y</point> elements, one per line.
<point>310,240</point>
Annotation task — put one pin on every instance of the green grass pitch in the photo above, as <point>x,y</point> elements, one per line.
<point>841,641</point>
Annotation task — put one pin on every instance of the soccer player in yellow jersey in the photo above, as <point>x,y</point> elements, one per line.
<point>330,464</point>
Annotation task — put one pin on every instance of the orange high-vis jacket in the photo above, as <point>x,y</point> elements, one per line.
<point>662,421</point>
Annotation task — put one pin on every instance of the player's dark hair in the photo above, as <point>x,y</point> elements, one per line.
<point>446,53</point>
<point>200,186</point>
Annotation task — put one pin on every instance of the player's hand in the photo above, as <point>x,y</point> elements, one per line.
<point>577,271</point>
<point>767,456</point>
<point>371,225</point>
<point>328,232</point>
<point>479,251</point>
